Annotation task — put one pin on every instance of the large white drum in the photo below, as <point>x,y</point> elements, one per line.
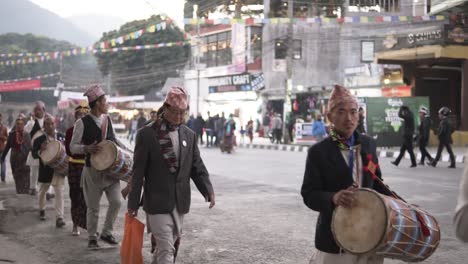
<point>112,160</point>
<point>385,226</point>
<point>55,156</point>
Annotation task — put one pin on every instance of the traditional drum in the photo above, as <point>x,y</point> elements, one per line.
<point>113,161</point>
<point>55,156</point>
<point>385,226</point>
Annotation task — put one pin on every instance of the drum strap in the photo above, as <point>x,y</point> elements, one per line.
<point>424,228</point>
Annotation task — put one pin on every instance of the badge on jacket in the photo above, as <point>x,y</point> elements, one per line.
<point>184,143</point>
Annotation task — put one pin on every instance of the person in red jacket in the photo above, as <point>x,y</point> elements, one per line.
<point>75,167</point>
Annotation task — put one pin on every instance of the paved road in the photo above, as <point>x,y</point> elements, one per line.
<point>259,216</point>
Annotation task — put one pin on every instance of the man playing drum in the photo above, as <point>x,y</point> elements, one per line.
<point>47,175</point>
<point>166,158</point>
<point>334,168</point>
<point>88,132</point>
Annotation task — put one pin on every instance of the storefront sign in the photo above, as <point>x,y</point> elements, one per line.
<point>230,83</point>
<point>424,36</point>
<point>367,50</point>
<point>383,122</point>
<point>258,82</point>
<point>456,35</point>
<point>20,86</point>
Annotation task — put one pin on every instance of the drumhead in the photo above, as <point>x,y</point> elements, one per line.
<point>52,148</point>
<point>362,228</point>
<point>106,157</point>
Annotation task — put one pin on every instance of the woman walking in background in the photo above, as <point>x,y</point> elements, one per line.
<point>20,144</point>
<point>75,167</point>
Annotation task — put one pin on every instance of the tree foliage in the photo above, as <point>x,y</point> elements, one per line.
<point>17,43</point>
<point>137,72</point>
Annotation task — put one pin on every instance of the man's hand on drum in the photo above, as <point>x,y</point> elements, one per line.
<point>344,197</point>
<point>93,148</point>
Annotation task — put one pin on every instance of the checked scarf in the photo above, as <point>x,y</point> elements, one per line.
<point>165,142</point>
<point>350,145</point>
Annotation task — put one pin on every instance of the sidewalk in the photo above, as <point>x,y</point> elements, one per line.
<point>383,152</point>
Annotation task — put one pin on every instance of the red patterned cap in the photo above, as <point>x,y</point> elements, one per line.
<point>340,95</point>
<point>94,92</point>
<point>177,97</point>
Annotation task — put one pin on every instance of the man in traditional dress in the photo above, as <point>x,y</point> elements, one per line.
<point>336,166</point>
<point>75,168</point>
<point>166,158</point>
<point>47,175</point>
<point>34,128</point>
<point>3,140</point>
<point>88,132</point>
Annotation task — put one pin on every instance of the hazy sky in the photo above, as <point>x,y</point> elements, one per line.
<point>126,9</point>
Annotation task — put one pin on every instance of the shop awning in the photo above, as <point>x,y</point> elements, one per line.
<point>440,6</point>
<point>424,52</point>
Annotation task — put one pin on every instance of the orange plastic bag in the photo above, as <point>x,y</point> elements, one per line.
<point>132,243</point>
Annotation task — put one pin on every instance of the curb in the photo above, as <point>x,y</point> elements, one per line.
<point>380,152</point>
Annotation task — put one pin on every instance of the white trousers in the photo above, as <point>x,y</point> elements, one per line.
<point>34,175</point>
<point>58,184</point>
<point>165,228</point>
<point>321,257</point>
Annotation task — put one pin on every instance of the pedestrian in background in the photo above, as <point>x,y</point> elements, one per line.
<point>209,130</point>
<point>199,125</point>
<point>133,129</point>
<point>242,132</point>
<point>3,140</point>
<point>250,130</point>
<point>141,120</point>
<point>19,142</point>
<point>445,137</point>
<point>423,136</point>
<point>220,127</point>
<point>318,129</point>
<point>277,126</point>
<point>75,169</point>
<point>361,129</point>
<point>408,132</point>
<point>166,197</point>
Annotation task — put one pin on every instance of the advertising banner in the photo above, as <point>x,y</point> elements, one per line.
<point>20,86</point>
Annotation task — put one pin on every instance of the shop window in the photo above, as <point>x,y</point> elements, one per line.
<point>278,8</point>
<point>374,6</point>
<point>281,49</point>
<point>255,44</point>
<point>216,49</point>
<point>297,49</point>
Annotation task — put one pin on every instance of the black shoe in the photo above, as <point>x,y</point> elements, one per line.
<point>32,192</point>
<point>413,166</point>
<point>93,244</point>
<point>452,166</point>
<point>394,163</point>
<point>421,163</point>
<point>49,196</point>
<point>109,239</point>
<point>42,215</point>
<point>433,164</point>
<point>59,223</point>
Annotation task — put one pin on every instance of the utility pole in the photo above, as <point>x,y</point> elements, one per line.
<point>289,68</point>
<point>197,58</point>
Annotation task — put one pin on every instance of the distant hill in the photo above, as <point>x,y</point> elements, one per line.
<point>23,16</point>
<point>95,25</point>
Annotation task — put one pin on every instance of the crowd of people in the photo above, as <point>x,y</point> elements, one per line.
<point>167,146</point>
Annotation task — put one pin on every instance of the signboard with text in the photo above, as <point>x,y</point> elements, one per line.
<point>20,86</point>
<point>236,83</point>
